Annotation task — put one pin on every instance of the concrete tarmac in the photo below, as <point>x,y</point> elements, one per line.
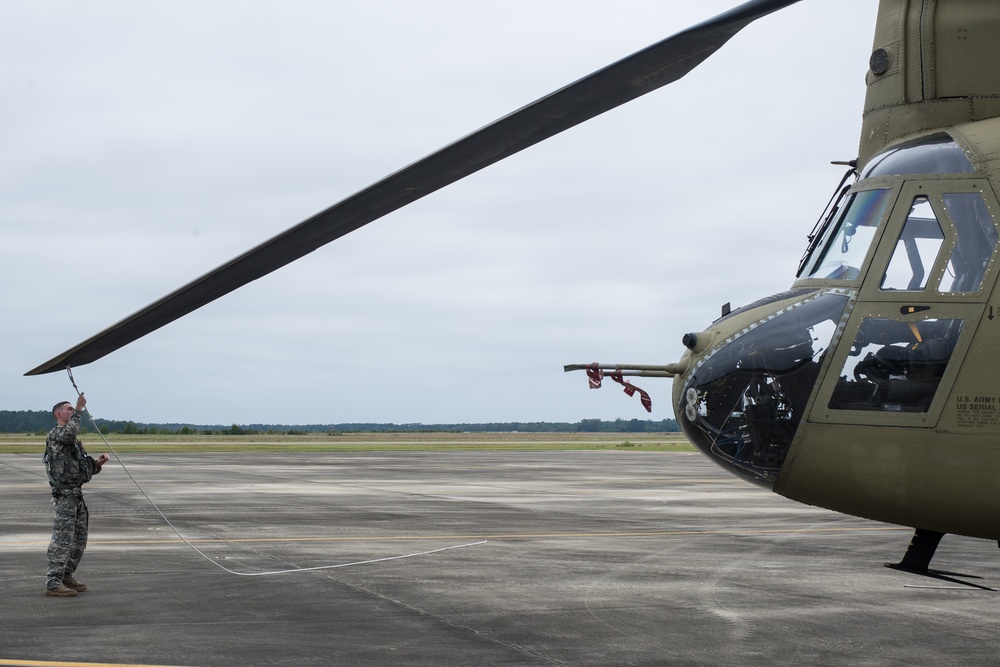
<point>590,558</point>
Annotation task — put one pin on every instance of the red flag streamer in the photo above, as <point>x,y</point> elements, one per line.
<point>594,376</point>
<point>630,389</point>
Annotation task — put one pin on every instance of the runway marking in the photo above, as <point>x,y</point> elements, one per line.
<point>63,663</point>
<point>497,536</point>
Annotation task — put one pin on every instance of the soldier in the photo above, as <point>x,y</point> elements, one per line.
<point>68,467</point>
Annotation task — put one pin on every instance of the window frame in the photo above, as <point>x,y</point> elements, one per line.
<point>892,228</point>
<point>821,410</point>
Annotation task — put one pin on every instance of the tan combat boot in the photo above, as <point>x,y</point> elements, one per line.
<point>69,581</point>
<point>61,592</point>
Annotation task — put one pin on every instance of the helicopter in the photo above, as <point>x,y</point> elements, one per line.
<point>866,387</point>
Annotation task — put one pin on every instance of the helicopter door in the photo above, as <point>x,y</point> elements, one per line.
<point>917,309</point>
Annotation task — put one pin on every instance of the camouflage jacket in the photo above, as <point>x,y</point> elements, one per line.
<point>66,462</point>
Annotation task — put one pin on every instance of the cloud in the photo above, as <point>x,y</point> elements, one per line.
<point>150,142</point>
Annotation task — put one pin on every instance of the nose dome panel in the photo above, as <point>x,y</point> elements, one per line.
<point>743,403</point>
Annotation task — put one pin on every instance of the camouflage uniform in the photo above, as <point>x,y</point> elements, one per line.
<point>68,467</point>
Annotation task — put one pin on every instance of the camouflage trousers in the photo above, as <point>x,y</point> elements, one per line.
<point>69,537</point>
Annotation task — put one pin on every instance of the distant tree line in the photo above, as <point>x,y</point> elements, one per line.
<point>25,421</point>
<point>40,421</point>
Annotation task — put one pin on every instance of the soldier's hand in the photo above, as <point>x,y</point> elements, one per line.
<point>101,460</point>
<point>81,402</point>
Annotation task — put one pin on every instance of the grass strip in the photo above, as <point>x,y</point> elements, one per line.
<point>364,442</point>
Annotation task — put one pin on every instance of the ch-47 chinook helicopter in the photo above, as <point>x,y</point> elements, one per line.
<point>868,388</point>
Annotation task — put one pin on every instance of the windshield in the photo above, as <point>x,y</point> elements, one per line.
<point>841,252</point>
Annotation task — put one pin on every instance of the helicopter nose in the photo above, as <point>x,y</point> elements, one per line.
<point>750,380</point>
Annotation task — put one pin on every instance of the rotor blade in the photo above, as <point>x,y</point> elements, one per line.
<point>621,82</point>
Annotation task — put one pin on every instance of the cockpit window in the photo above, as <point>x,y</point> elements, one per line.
<point>896,366</point>
<point>936,154</point>
<point>977,238</point>
<point>923,236</point>
<point>744,402</point>
<point>842,252</point>
<point>916,250</point>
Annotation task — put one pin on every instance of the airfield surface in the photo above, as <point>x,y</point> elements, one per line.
<point>559,558</point>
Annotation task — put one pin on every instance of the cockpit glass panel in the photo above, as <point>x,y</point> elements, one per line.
<point>743,404</point>
<point>977,239</point>
<point>936,154</point>
<point>842,253</point>
<point>896,366</point>
<point>916,249</point>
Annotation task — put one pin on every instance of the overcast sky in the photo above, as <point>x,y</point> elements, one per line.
<point>144,144</point>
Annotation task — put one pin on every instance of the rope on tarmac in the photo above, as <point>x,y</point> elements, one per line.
<point>214,561</point>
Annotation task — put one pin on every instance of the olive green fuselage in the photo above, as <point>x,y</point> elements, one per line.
<point>873,386</point>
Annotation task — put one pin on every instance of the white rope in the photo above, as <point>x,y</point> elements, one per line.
<point>214,561</point>
<point>331,567</point>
